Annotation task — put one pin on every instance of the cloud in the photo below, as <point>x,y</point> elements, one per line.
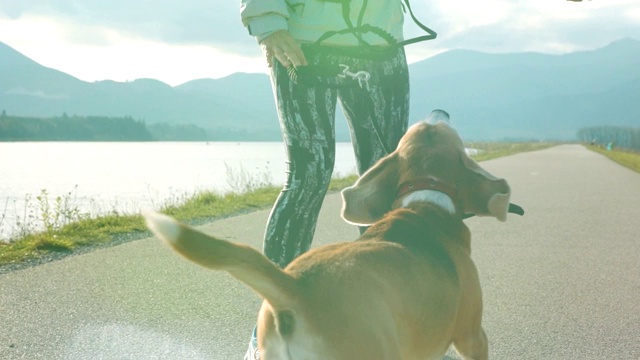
<point>94,53</point>
<point>490,25</point>
<point>197,22</point>
<point>552,26</point>
<point>177,41</point>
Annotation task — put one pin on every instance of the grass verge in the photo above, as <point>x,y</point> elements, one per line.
<point>626,158</point>
<point>493,150</point>
<point>115,228</point>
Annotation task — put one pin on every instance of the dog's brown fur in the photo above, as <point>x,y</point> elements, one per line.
<point>407,289</point>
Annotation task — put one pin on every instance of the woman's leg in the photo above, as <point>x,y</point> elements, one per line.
<point>307,119</point>
<point>377,112</point>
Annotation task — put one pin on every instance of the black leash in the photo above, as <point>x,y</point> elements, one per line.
<point>360,29</point>
<point>430,33</point>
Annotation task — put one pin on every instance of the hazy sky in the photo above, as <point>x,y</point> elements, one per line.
<point>176,41</point>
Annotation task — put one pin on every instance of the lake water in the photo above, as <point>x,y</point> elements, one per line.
<point>130,176</point>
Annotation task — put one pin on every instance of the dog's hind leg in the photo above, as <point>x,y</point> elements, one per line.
<point>473,347</point>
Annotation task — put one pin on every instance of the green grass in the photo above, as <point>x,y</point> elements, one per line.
<point>495,150</point>
<point>84,232</point>
<point>627,158</point>
<point>101,230</point>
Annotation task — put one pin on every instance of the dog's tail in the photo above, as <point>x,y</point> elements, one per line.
<point>241,261</point>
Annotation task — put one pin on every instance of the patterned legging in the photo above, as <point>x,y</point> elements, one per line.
<point>377,112</point>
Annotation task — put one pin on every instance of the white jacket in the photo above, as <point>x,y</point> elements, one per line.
<point>308,20</point>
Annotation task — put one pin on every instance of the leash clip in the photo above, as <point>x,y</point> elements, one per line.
<point>362,76</point>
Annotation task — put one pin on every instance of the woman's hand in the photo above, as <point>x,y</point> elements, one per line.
<point>283,47</point>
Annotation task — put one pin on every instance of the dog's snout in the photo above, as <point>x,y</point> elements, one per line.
<point>438,116</point>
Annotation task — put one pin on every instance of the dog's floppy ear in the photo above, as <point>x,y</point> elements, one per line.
<point>373,194</point>
<point>484,194</point>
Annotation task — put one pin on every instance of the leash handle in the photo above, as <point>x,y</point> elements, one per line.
<point>431,34</point>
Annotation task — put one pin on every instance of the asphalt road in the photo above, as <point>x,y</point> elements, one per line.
<point>562,282</point>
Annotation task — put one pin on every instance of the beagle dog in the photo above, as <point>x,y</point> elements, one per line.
<point>407,289</point>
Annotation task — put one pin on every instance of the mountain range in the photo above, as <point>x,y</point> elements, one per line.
<point>511,96</point>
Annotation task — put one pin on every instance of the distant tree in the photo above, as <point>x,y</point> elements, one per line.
<point>623,137</point>
<point>75,128</point>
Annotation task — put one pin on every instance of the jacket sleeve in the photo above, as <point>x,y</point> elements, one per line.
<point>264,17</point>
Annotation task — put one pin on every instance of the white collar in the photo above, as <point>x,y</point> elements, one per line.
<point>431,196</point>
